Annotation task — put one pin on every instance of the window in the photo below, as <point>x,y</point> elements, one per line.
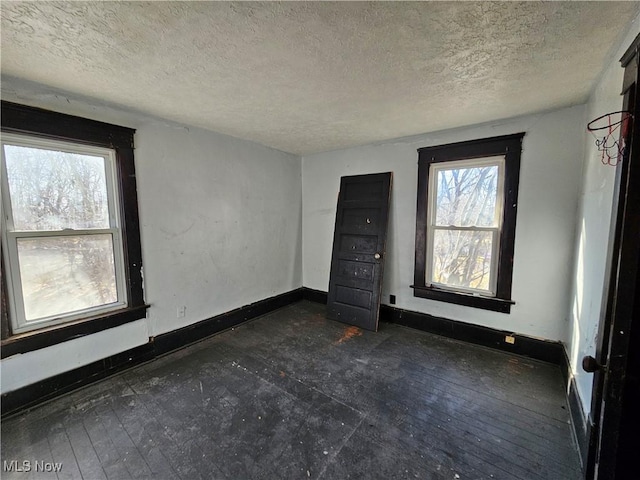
<point>465,225</point>
<point>62,231</point>
<point>70,237</point>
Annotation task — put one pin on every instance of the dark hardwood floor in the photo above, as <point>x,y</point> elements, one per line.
<point>293,395</point>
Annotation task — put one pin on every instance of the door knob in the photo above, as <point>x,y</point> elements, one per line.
<point>377,256</point>
<point>590,364</point>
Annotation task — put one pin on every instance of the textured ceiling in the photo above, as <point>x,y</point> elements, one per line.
<point>311,76</point>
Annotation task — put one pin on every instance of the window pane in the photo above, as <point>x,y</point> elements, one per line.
<point>53,190</point>
<point>66,274</point>
<point>462,258</point>
<point>467,196</point>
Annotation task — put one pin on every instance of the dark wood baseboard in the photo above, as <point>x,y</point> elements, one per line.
<point>565,367</point>
<point>312,295</point>
<point>545,350</point>
<point>182,337</point>
<point>32,395</point>
<point>579,421</point>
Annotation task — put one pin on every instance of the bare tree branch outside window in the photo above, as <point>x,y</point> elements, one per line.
<point>53,191</point>
<point>464,225</point>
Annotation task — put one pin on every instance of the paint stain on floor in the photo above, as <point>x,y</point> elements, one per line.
<point>349,333</point>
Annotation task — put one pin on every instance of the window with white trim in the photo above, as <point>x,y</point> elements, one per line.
<point>62,229</point>
<point>465,218</point>
<point>465,222</point>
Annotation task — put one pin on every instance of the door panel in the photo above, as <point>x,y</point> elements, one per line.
<point>357,270</point>
<point>358,249</point>
<point>353,296</point>
<point>358,243</point>
<point>362,220</point>
<point>362,190</point>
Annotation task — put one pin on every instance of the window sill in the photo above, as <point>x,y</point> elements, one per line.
<point>466,299</point>
<point>48,336</point>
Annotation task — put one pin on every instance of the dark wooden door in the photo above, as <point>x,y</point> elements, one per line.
<point>616,418</point>
<point>359,249</point>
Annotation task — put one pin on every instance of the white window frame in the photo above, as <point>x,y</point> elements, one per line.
<point>10,236</point>
<point>496,229</point>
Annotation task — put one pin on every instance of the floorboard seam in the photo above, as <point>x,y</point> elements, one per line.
<point>302,424</point>
<point>94,450</point>
<point>73,451</point>
<point>332,456</point>
<point>51,453</point>
<point>169,437</point>
<point>132,442</point>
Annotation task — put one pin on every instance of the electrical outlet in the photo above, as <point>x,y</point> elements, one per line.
<point>510,339</point>
<point>392,299</point>
<point>181,311</point>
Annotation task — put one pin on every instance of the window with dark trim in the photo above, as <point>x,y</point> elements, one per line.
<point>466,222</point>
<point>71,254</point>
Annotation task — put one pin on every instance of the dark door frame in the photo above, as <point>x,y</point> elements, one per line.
<point>616,382</point>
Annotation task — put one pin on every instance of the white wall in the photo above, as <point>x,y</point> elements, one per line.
<point>220,222</point>
<point>593,222</point>
<point>548,199</point>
